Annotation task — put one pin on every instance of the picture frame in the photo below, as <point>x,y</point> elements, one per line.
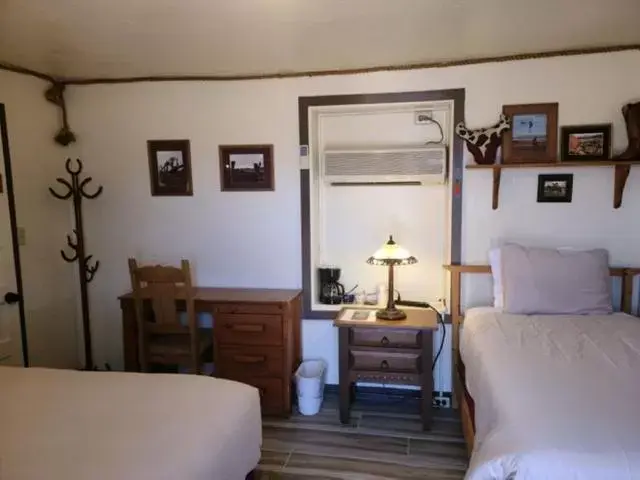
<point>555,188</point>
<point>245,168</point>
<point>533,136</point>
<point>170,167</point>
<point>585,143</point>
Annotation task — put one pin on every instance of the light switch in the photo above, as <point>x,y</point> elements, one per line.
<point>22,236</point>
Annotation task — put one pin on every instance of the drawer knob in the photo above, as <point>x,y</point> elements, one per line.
<point>384,365</point>
<point>384,341</point>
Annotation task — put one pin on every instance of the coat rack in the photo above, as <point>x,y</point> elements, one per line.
<point>76,191</point>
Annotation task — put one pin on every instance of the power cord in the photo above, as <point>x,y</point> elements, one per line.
<point>409,303</point>
<point>437,124</point>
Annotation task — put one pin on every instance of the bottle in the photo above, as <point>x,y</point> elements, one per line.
<point>382,293</point>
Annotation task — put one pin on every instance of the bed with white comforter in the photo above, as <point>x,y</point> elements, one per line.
<point>64,424</point>
<point>556,397</point>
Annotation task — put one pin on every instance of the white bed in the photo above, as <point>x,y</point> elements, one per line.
<point>556,397</point>
<point>63,424</point>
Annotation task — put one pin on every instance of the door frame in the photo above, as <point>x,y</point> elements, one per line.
<point>4,137</point>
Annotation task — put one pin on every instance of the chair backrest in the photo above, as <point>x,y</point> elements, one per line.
<point>163,286</point>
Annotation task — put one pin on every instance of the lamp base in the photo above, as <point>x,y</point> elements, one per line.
<point>391,314</point>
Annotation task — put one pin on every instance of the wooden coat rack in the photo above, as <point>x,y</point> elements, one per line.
<point>86,271</point>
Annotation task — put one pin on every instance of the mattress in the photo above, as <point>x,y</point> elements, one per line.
<point>63,424</point>
<point>556,397</point>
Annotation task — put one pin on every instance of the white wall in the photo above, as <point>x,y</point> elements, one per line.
<point>36,160</point>
<point>253,239</point>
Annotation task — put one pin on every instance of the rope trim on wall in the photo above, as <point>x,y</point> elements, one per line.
<point>320,73</point>
<point>354,71</point>
<point>25,71</point>
<point>55,94</point>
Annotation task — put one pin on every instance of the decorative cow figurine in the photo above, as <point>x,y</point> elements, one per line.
<point>483,143</point>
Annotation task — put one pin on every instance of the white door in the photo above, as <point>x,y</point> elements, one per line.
<point>12,350</point>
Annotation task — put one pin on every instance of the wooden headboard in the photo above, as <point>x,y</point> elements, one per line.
<point>457,318</point>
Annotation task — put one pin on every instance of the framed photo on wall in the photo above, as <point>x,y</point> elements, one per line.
<point>533,137</point>
<point>585,142</point>
<point>246,168</point>
<point>170,167</point>
<point>555,188</point>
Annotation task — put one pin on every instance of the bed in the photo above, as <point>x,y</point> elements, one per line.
<point>548,396</point>
<point>555,396</point>
<point>64,424</point>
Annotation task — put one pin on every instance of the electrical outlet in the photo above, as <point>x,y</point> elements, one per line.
<point>423,117</point>
<point>442,399</point>
<point>22,236</point>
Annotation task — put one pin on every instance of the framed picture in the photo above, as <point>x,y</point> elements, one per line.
<point>533,137</point>
<point>586,142</point>
<point>170,167</point>
<point>555,188</point>
<point>246,167</point>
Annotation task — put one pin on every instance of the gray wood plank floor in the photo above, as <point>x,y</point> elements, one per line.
<point>380,442</point>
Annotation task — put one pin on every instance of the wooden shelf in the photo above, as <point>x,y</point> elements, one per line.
<point>603,163</point>
<point>621,170</point>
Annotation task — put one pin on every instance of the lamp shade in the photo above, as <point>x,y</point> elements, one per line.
<point>391,254</point>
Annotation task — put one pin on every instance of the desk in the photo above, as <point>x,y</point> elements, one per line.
<point>256,338</point>
<point>389,352</point>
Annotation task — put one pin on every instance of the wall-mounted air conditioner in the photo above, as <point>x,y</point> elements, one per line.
<point>385,166</point>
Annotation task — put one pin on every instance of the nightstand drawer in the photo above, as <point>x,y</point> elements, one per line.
<point>235,362</point>
<point>248,329</point>
<point>385,337</point>
<point>386,378</point>
<point>381,360</point>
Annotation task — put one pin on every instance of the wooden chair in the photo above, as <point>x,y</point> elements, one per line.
<point>162,339</point>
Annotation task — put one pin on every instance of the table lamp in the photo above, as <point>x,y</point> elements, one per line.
<point>391,254</point>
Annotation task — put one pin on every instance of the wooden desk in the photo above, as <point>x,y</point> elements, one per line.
<point>387,352</point>
<point>256,338</point>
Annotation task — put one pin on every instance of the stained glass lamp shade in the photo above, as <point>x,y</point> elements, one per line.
<point>390,255</point>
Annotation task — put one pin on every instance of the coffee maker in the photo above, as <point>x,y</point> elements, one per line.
<point>331,291</point>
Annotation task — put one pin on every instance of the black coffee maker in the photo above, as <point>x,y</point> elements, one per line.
<point>331,291</point>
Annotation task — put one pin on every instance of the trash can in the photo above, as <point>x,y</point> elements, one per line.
<point>310,386</point>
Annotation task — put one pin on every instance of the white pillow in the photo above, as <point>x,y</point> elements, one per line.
<point>495,261</point>
<point>496,272</point>
<point>555,281</point>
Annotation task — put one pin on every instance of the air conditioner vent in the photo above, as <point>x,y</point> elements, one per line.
<point>391,165</point>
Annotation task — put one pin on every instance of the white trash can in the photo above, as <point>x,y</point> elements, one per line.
<point>310,386</point>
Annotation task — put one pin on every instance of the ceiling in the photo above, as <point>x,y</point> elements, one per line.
<point>124,38</point>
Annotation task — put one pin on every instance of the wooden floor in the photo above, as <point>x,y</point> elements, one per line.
<point>381,442</point>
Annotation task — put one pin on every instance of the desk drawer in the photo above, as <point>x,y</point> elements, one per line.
<point>257,308</point>
<point>271,393</point>
<point>244,329</point>
<point>385,337</point>
<point>236,362</point>
<point>381,360</point>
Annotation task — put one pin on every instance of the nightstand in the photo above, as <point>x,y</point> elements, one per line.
<point>398,352</point>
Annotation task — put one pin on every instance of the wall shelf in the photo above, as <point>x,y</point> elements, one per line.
<point>621,170</point>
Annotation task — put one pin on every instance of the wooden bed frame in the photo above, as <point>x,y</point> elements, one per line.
<point>459,398</point>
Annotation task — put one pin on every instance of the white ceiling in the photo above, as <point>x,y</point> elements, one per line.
<point>120,38</point>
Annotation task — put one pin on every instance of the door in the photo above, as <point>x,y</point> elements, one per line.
<point>13,341</point>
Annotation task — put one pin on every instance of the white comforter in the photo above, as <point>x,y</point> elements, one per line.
<point>68,425</point>
<point>556,397</point>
